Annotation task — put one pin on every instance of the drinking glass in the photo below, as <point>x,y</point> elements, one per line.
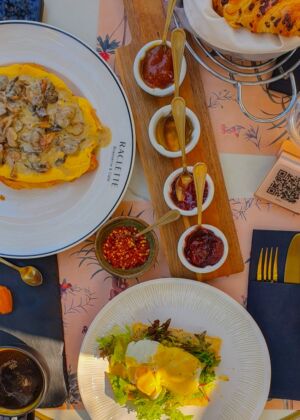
<point>294,123</point>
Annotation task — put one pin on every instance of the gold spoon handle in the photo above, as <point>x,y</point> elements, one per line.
<point>199,172</point>
<point>170,9</point>
<point>169,217</point>
<point>178,39</point>
<point>41,416</point>
<point>9,264</point>
<point>178,111</point>
<point>293,416</point>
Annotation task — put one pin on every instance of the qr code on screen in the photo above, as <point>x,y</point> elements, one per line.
<point>285,186</point>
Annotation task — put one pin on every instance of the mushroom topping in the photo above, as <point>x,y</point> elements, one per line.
<point>14,89</point>
<point>12,137</point>
<point>40,111</point>
<point>63,116</point>
<point>69,145</point>
<point>46,140</point>
<point>51,95</point>
<point>31,140</point>
<point>75,129</point>
<point>3,82</point>
<point>34,162</point>
<point>12,157</point>
<point>60,161</point>
<point>53,128</point>
<point>34,93</point>
<point>6,122</point>
<point>18,125</point>
<point>3,109</point>
<point>41,124</point>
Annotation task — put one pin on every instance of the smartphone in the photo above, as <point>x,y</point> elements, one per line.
<point>21,10</point>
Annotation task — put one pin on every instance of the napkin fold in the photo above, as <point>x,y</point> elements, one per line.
<point>284,85</point>
<point>36,321</point>
<point>275,308</point>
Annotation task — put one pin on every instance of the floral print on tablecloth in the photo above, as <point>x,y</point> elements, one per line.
<point>86,287</point>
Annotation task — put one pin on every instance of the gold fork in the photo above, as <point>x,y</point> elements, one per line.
<point>267,268</point>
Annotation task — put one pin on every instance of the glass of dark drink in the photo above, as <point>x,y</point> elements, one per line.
<point>23,381</point>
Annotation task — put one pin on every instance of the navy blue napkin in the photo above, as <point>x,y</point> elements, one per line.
<point>284,85</point>
<point>36,321</point>
<point>276,309</point>
<point>21,9</point>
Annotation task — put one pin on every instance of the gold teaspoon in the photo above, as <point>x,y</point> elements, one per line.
<point>199,172</point>
<point>185,178</point>
<point>166,130</point>
<point>30,275</point>
<point>178,39</point>
<point>41,416</point>
<point>170,9</point>
<point>168,217</point>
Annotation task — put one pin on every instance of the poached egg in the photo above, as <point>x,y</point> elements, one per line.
<point>152,366</point>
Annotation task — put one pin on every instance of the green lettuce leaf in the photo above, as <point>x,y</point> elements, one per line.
<point>176,414</point>
<point>120,387</point>
<point>164,405</point>
<point>114,344</point>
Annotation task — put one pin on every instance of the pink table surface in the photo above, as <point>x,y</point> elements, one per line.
<point>86,287</point>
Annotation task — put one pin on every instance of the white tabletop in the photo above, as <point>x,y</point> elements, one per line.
<point>80,17</point>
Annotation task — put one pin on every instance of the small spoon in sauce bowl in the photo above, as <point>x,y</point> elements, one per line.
<point>178,39</point>
<point>169,217</point>
<point>166,129</point>
<point>199,173</point>
<point>170,9</point>
<point>179,115</point>
<point>30,275</point>
<point>202,248</point>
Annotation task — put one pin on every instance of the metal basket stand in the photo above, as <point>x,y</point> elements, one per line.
<point>240,73</point>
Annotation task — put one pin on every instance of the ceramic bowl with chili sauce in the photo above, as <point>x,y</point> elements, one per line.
<point>153,69</point>
<point>122,254</point>
<point>188,206</point>
<point>203,249</point>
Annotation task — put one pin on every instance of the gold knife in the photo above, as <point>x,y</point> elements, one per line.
<point>292,264</point>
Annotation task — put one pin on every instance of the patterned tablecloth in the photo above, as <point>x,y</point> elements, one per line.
<point>86,287</point>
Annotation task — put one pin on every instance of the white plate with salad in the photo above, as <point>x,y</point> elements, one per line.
<point>174,349</point>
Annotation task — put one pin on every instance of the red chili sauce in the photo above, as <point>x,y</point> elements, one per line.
<point>122,250</point>
<point>157,67</point>
<point>190,200</point>
<point>203,248</point>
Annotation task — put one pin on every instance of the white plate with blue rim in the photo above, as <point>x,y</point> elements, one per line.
<point>40,222</point>
<point>195,307</point>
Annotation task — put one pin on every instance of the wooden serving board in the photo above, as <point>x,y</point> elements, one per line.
<point>146,22</point>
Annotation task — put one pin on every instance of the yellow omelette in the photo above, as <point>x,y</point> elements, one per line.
<point>48,135</point>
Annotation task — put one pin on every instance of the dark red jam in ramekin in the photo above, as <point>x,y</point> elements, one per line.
<point>203,248</point>
<point>190,200</point>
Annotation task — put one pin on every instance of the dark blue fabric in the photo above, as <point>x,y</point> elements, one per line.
<point>21,9</point>
<point>276,309</point>
<point>284,85</point>
<point>37,321</point>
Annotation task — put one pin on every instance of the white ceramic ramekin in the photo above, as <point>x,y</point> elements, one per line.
<point>163,112</point>
<point>209,268</point>
<point>137,74</point>
<point>170,202</point>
